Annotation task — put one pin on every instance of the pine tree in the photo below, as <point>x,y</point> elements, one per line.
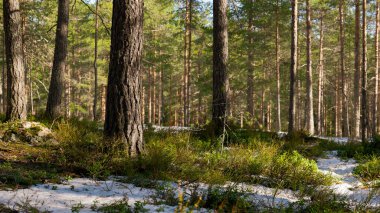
<point>56,89</point>
<point>220,60</point>
<point>16,95</point>
<point>123,118</point>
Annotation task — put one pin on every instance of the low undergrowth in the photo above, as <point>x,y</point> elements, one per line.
<point>249,156</point>
<point>369,170</point>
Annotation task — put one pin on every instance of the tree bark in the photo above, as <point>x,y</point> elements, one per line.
<point>278,75</point>
<point>154,100</point>
<point>309,74</point>
<point>293,67</point>
<point>53,106</point>
<point>4,79</point>
<point>345,124</point>
<point>321,77</point>
<point>376,126</point>
<point>94,113</point>
<point>364,115</point>
<point>220,60</point>
<point>356,118</point>
<point>187,63</point>
<point>16,95</point>
<point>149,96</point>
<point>250,63</point>
<point>123,120</point>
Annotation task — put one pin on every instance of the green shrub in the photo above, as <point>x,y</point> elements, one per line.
<point>158,158</point>
<point>226,200</point>
<point>369,170</point>
<point>351,150</point>
<point>325,201</point>
<point>85,150</point>
<point>292,170</point>
<point>120,206</point>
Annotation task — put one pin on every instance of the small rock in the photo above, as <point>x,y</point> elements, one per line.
<point>52,141</point>
<point>26,125</point>
<point>44,132</point>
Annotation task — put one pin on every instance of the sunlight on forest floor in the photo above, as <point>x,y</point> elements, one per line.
<point>88,195</point>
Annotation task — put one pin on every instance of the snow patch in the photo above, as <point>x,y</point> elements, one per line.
<point>348,185</point>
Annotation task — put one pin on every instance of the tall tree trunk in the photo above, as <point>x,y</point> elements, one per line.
<point>199,70</point>
<point>170,101</point>
<point>4,79</point>
<point>278,76</point>
<point>142,96</point>
<point>320,79</point>
<point>154,101</point>
<point>250,63</point>
<point>103,102</point>
<point>67,92</point>
<point>376,117</point>
<point>149,96</point>
<point>309,74</point>
<point>338,116</point>
<point>293,67</point>
<point>94,114</point>
<point>31,101</point>
<point>345,124</point>
<point>187,62</point>
<point>220,60</point>
<point>53,107</point>
<point>356,118</point>
<point>160,97</point>
<point>364,72</point>
<point>188,89</point>
<point>16,95</point>
<point>123,117</point>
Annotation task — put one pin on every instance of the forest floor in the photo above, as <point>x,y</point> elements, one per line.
<point>32,181</point>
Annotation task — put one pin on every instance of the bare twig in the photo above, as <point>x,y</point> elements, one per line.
<point>100,17</point>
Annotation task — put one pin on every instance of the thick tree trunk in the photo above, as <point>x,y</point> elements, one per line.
<point>94,112</point>
<point>345,124</point>
<point>293,67</point>
<point>220,59</point>
<point>376,116</point>
<point>123,117</point>
<point>4,79</point>
<point>309,74</point>
<point>321,77</point>
<point>53,106</point>
<point>364,114</point>
<point>278,97</point>
<point>16,95</point>
<point>356,117</point>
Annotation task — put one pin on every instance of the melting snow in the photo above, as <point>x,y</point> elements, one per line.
<point>348,186</point>
<point>340,140</point>
<point>86,192</point>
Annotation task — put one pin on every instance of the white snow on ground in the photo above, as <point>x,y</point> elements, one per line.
<point>267,197</point>
<point>348,186</point>
<point>341,140</point>
<point>62,197</point>
<point>76,192</point>
<point>171,128</point>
